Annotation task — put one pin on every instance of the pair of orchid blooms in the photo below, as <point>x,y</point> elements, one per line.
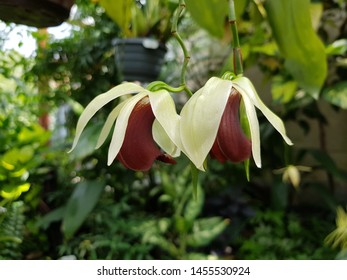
<point>148,128</point>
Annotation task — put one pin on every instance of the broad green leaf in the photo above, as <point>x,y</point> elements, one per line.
<point>337,95</point>
<point>302,49</point>
<point>209,14</point>
<point>80,204</point>
<point>205,230</point>
<point>316,10</point>
<point>121,12</point>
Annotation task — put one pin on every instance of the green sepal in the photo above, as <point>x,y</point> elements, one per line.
<point>247,131</point>
<point>246,165</point>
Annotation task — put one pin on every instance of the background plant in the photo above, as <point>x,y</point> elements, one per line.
<point>151,215</point>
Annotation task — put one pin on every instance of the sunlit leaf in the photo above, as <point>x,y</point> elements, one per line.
<point>13,192</point>
<point>339,47</point>
<point>16,157</point>
<point>270,48</point>
<point>82,201</point>
<point>35,133</point>
<point>337,95</point>
<point>205,230</point>
<point>302,49</point>
<point>120,12</point>
<point>282,90</point>
<point>209,14</point>
<point>316,10</point>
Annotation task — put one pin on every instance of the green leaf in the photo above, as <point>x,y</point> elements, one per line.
<point>194,206</point>
<point>270,48</point>
<point>13,192</point>
<point>283,91</point>
<point>87,142</point>
<point>209,14</point>
<point>339,47</point>
<point>302,49</point>
<point>246,129</point>
<point>119,11</point>
<point>15,157</point>
<point>80,204</point>
<point>337,95</point>
<point>205,230</point>
<point>34,133</point>
<point>316,10</point>
<point>53,216</point>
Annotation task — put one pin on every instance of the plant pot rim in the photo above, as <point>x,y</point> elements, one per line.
<point>149,43</point>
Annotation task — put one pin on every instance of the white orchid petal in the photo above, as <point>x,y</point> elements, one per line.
<point>163,140</point>
<point>200,119</point>
<point>98,102</point>
<point>121,126</point>
<point>245,85</point>
<point>164,110</point>
<point>253,126</point>
<point>109,123</point>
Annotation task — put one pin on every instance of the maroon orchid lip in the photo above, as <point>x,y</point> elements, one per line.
<point>231,143</point>
<point>139,150</point>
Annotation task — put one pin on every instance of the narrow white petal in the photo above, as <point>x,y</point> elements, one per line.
<point>200,119</point>
<point>98,102</point>
<point>245,85</point>
<point>109,123</point>
<point>163,140</point>
<point>254,128</point>
<point>121,126</point>
<point>164,110</point>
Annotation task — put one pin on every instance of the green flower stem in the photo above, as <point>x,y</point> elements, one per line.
<point>237,55</point>
<point>178,38</point>
<point>158,85</point>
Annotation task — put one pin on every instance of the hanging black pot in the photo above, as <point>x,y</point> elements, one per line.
<point>38,13</point>
<point>139,59</point>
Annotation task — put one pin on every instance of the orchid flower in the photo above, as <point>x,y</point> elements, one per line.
<point>210,122</point>
<point>145,129</point>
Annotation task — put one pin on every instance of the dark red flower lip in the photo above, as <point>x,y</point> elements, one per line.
<point>231,143</point>
<point>139,150</point>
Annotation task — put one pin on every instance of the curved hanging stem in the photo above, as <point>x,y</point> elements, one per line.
<point>158,85</point>
<point>237,55</point>
<point>178,38</point>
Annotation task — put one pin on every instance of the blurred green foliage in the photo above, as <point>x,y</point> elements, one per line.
<point>58,205</point>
